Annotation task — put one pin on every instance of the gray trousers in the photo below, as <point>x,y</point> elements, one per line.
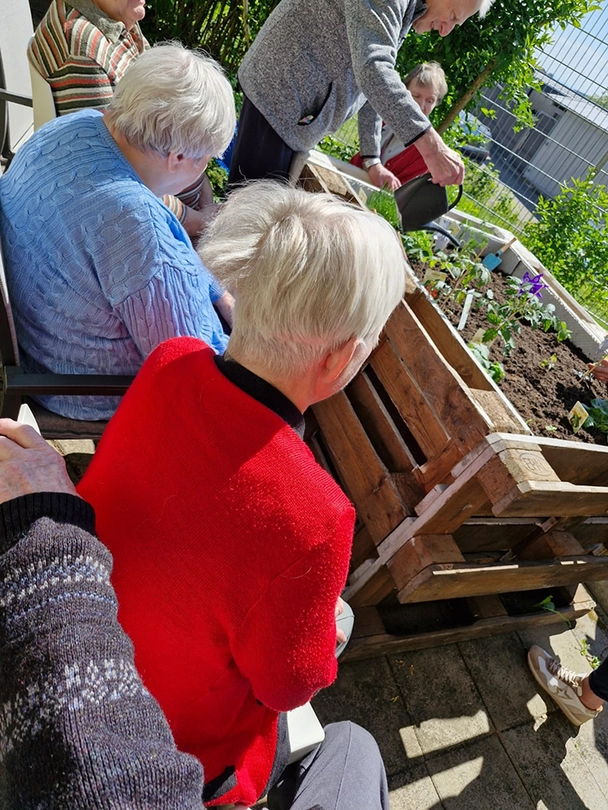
<point>345,772</point>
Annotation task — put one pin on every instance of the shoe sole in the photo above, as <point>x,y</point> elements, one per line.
<point>564,709</point>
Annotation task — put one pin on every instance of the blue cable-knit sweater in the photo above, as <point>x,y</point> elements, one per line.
<point>99,270</point>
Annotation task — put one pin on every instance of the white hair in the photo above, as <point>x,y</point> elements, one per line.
<point>308,273</point>
<point>174,100</point>
<point>485,6</point>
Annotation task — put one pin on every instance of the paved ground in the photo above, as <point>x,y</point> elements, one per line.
<point>464,727</point>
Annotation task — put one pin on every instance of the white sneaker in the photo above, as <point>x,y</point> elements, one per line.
<point>564,686</point>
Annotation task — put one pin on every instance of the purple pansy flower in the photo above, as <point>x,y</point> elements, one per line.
<point>535,284</point>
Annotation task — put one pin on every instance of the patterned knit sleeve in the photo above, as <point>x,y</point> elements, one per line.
<point>76,719</point>
<point>374,33</point>
<point>80,83</point>
<point>175,303</point>
<point>293,625</point>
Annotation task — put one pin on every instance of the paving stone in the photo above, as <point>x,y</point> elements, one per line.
<point>445,706</point>
<point>480,776</point>
<point>589,630</point>
<point>559,641</point>
<point>366,693</point>
<point>413,789</point>
<point>552,768</point>
<point>591,741</point>
<point>499,668</point>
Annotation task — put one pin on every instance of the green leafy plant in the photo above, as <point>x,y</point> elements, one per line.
<point>594,660</point>
<point>598,415</point>
<point>492,367</point>
<point>571,238</point>
<point>549,363</point>
<point>522,302</point>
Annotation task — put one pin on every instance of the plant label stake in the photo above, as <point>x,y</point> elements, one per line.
<point>578,416</point>
<point>466,308</point>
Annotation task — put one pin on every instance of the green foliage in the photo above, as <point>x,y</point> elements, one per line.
<point>336,148</point>
<point>499,48</point>
<point>594,660</point>
<point>549,363</point>
<point>521,303</point>
<point>218,177</point>
<point>223,29</point>
<point>384,204</point>
<point>571,239</point>
<point>598,415</point>
<point>493,368</point>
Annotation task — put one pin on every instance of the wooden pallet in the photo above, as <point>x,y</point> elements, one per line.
<point>436,460</point>
<point>460,620</point>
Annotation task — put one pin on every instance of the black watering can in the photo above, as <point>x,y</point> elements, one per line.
<point>420,201</point>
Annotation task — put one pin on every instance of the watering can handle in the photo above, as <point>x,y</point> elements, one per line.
<point>457,200</point>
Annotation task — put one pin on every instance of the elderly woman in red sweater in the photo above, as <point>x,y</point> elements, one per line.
<point>231,545</point>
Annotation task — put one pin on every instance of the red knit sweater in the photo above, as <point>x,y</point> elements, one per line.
<point>231,546</point>
<point>406,165</point>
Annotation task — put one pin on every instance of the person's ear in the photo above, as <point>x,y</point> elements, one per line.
<point>337,361</point>
<point>174,161</point>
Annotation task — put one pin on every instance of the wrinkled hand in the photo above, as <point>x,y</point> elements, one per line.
<point>383,177</point>
<point>340,635</point>
<point>600,371</point>
<point>444,164</point>
<point>28,464</point>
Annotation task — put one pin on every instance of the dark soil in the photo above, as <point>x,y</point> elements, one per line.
<point>543,396</point>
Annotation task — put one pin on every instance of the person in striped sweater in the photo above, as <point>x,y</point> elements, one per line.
<point>83,48</point>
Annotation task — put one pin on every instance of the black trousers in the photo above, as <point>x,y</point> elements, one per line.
<point>259,153</point>
<point>598,680</point>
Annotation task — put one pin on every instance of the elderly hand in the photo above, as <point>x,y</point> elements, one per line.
<point>445,165</point>
<point>383,177</point>
<point>340,635</point>
<point>600,371</point>
<point>28,464</point>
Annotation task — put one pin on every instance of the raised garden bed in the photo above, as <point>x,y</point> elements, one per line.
<point>456,498</point>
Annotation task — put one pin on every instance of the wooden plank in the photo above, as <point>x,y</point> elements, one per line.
<point>491,533</point>
<point>386,439</point>
<point>447,511</point>
<point>360,468</point>
<point>448,341</point>
<point>374,590</point>
<point>410,401</point>
<point>378,425</point>
<point>443,389</point>
<point>311,180</point>
<point>420,553</point>
<point>454,580</point>
<point>540,498</point>
<point>383,643</point>
<point>551,545</point>
<point>576,462</point>
<point>363,547</point>
<point>433,471</point>
<point>498,414</point>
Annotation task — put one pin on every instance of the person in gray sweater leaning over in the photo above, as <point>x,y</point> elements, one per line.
<point>315,63</point>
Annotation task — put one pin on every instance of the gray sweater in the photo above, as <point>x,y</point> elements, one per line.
<point>316,62</point>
